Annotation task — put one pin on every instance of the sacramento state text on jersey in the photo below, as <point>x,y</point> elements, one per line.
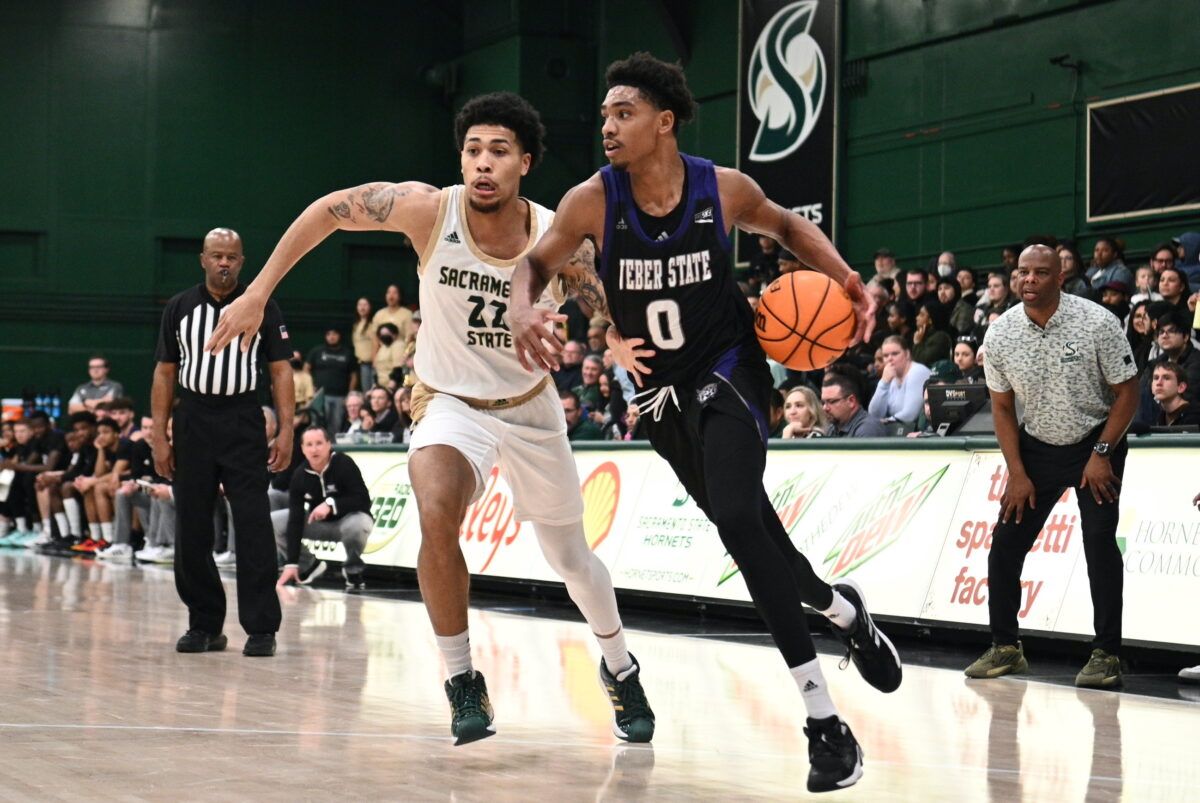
<point>681,270</point>
<point>489,301</point>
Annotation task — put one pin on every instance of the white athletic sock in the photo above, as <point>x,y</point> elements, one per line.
<point>106,528</point>
<point>63,526</point>
<point>74,518</point>
<point>456,652</point>
<point>23,524</point>
<point>813,690</point>
<point>94,530</point>
<point>840,612</point>
<point>616,654</point>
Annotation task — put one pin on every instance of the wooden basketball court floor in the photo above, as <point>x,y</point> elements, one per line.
<point>97,705</point>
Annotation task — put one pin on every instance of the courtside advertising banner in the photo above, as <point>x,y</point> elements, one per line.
<point>787,104</point>
<point>914,528</point>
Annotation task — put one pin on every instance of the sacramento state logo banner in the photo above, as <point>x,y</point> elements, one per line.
<point>788,102</point>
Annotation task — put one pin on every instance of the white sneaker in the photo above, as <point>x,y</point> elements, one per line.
<point>1190,675</point>
<point>225,559</point>
<point>166,554</point>
<point>115,552</point>
<point>43,538</point>
<point>149,554</point>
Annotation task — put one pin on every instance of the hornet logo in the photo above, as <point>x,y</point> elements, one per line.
<point>786,82</point>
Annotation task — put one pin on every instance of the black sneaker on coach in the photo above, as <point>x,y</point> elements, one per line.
<point>260,645</point>
<point>199,641</point>
<point>834,757</point>
<point>872,652</point>
<point>354,580</point>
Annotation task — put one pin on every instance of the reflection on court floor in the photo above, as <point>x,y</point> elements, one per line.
<point>97,704</point>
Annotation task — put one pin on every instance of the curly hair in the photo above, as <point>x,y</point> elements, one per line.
<point>660,83</point>
<point>505,109</point>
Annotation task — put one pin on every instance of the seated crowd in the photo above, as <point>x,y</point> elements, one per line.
<point>931,321</point>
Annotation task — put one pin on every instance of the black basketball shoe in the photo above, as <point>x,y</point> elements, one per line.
<point>872,652</point>
<point>633,721</point>
<point>470,710</point>
<point>834,756</point>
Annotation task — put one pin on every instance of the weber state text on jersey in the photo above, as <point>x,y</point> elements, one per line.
<point>464,346</point>
<point>674,286</point>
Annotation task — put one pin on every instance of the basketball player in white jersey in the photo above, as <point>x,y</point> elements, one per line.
<point>475,405</point>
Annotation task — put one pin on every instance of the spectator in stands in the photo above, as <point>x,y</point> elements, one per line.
<point>764,264</point>
<point>354,408</point>
<point>1174,287</point>
<point>610,417</point>
<point>1189,262</point>
<point>1169,386</point>
<point>788,262</point>
<point>885,265</point>
<point>1108,264</point>
<point>1114,297</point>
<point>327,501</point>
<point>804,414</point>
<point>998,298</point>
<point>633,429</point>
<point>402,406</point>
<point>97,389</point>
<point>384,418</point>
<point>946,265</point>
<point>303,381</point>
<point>775,420</point>
<point>1138,333</point>
<point>362,338</point>
<point>595,337</point>
<point>1173,333</point>
<point>840,401</point>
<point>962,314</point>
<point>579,428</point>
<point>916,287</point>
<point>898,396</point>
<point>334,371</point>
<point>570,373</point>
<point>966,282</point>
<point>1146,289</point>
<point>1072,270</point>
<point>1162,257</point>
<point>899,322</point>
<point>91,487</point>
<point>966,359</point>
<point>389,353</point>
<point>121,410</point>
<point>932,340</point>
<point>398,316</point>
<point>588,389</point>
<point>1008,257</point>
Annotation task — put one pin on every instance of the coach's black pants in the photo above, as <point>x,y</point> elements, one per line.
<point>716,443</point>
<point>1053,469</point>
<point>222,442</point>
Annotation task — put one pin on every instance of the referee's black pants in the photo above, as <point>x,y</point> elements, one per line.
<point>1053,469</point>
<point>222,441</point>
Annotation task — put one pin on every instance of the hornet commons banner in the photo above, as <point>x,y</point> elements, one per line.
<point>787,103</point>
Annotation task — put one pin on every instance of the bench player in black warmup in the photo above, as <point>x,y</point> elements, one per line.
<point>660,224</point>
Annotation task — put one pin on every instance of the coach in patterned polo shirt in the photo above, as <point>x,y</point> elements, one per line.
<point>1065,361</point>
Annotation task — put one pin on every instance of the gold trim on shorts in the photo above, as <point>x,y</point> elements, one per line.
<point>422,394</point>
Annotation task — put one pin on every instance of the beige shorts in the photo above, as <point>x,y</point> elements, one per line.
<point>529,444</point>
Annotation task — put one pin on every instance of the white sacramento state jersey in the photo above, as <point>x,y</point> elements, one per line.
<point>464,346</point>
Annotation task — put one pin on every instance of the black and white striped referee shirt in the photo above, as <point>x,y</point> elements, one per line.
<point>188,321</point>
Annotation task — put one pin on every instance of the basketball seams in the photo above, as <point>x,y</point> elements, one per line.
<point>808,340</point>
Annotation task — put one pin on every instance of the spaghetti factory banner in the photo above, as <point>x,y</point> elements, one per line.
<point>913,528</point>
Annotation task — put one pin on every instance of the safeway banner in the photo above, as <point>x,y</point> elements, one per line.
<point>788,103</point>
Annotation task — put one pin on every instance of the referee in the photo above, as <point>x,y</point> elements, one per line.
<point>219,439</point>
<point>1066,362</point>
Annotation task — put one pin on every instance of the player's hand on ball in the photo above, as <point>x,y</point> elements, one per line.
<point>533,335</point>
<point>242,317</point>
<point>864,308</point>
<point>628,355</point>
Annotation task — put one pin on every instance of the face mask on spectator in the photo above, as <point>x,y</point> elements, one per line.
<point>945,269</point>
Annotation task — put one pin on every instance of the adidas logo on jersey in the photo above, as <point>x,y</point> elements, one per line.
<point>704,215</point>
<point>452,237</point>
<point>662,236</point>
<point>621,224</point>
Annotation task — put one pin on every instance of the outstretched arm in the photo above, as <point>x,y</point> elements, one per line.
<point>574,222</point>
<point>747,207</point>
<point>408,207</point>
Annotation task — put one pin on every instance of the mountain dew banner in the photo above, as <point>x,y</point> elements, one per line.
<point>913,528</point>
<point>787,103</point>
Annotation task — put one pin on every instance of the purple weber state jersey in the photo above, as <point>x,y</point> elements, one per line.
<point>677,292</point>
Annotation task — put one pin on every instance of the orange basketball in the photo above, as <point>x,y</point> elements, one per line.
<point>804,320</point>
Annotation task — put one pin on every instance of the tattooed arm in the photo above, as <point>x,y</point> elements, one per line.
<point>580,280</point>
<point>409,207</point>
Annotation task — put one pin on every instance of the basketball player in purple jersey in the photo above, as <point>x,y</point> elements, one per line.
<point>660,223</point>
